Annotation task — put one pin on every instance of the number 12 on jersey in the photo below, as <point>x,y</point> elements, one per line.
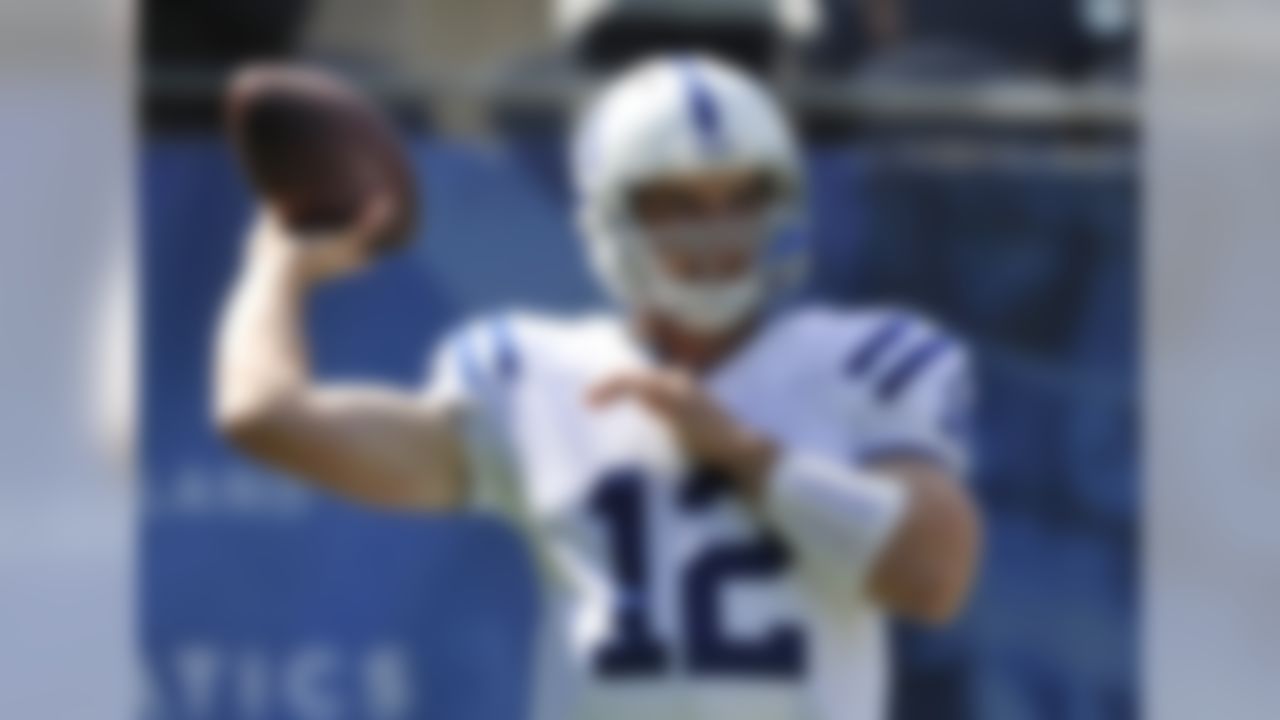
<point>634,650</point>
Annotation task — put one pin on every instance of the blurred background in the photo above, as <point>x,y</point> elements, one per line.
<point>976,160</point>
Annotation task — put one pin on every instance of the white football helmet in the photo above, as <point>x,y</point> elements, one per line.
<point>675,117</point>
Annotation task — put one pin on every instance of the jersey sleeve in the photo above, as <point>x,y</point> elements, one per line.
<point>914,392</point>
<point>473,370</point>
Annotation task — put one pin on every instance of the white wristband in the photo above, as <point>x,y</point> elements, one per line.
<point>836,518</point>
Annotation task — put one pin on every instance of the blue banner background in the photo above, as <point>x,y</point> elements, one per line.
<point>265,600</point>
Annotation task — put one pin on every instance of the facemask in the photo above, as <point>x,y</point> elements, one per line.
<point>707,305</point>
<point>627,262</point>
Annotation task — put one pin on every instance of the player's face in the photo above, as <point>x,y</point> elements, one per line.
<point>707,227</point>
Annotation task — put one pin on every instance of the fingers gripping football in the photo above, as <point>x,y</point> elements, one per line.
<point>322,255</point>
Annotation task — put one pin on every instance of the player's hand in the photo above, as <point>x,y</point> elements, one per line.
<point>315,258</point>
<point>706,432</point>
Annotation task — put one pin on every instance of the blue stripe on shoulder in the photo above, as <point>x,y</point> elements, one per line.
<point>896,380</point>
<point>876,344</point>
<point>506,352</point>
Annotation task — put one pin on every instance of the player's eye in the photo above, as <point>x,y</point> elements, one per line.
<point>756,195</point>
<point>657,205</point>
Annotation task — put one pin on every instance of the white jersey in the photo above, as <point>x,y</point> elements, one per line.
<point>664,596</point>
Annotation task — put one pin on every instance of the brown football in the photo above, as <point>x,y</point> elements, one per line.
<point>317,150</point>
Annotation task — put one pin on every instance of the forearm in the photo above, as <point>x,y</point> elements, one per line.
<point>926,569</point>
<point>368,442</point>
<point>904,535</point>
<point>261,357</point>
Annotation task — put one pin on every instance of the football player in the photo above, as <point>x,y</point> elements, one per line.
<point>724,498</point>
